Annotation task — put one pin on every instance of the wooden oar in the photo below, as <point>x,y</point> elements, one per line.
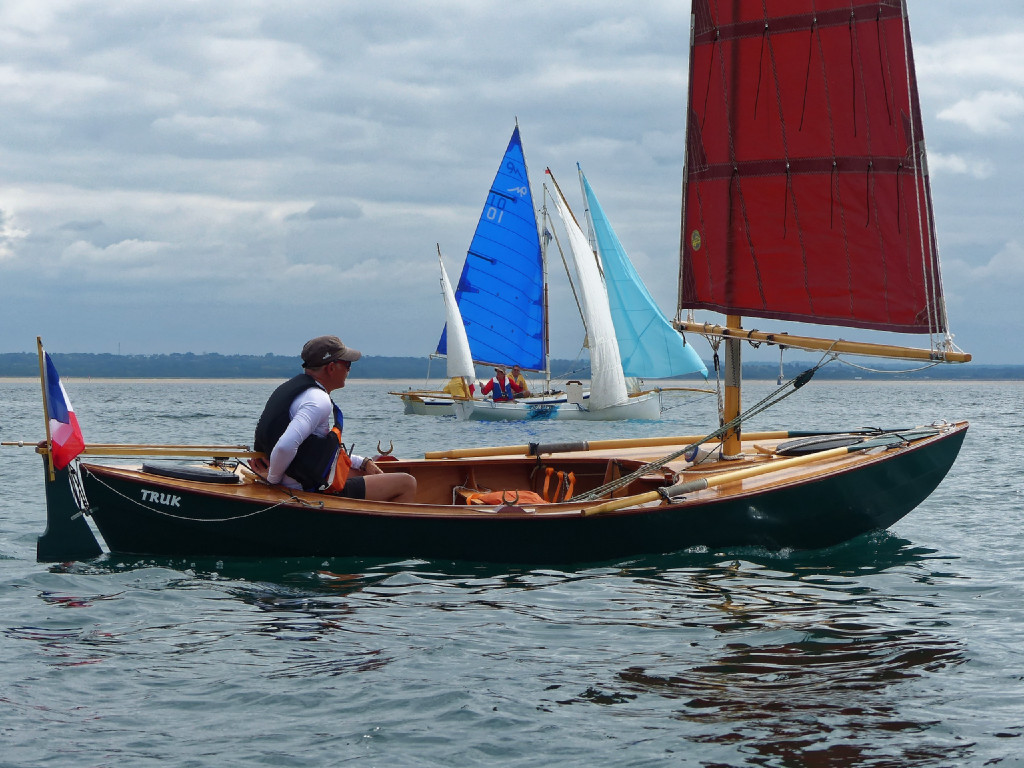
<point>690,486</point>
<point>419,394</point>
<point>687,389</point>
<point>535,449</point>
<point>139,449</point>
<point>213,451</point>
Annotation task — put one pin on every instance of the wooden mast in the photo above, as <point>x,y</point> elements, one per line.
<point>733,356</point>
<point>733,390</point>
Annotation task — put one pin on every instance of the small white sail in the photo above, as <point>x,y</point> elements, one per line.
<point>459,359</point>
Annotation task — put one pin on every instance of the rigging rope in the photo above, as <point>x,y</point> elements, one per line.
<point>883,370</point>
<point>771,399</point>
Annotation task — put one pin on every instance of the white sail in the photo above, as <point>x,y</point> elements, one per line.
<point>459,359</point>
<point>607,382</point>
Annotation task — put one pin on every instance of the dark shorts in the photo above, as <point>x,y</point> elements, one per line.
<point>355,488</point>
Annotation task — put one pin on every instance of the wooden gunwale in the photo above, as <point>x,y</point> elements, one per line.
<point>252,491</point>
<point>786,475</point>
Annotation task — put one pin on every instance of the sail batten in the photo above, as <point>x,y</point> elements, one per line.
<point>820,17</point>
<point>807,196</point>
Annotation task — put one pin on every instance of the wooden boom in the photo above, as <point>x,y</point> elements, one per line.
<point>828,345</point>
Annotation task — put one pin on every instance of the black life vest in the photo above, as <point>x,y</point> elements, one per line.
<point>316,458</point>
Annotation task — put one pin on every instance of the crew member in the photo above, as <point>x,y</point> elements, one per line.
<point>518,378</point>
<point>500,388</point>
<point>305,450</point>
<point>457,387</point>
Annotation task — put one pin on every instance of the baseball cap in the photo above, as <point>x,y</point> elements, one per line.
<point>326,349</point>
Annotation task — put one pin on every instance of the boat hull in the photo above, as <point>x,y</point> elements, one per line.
<point>142,514</point>
<point>424,405</point>
<point>644,407</point>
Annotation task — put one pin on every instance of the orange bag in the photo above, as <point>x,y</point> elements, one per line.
<point>506,497</point>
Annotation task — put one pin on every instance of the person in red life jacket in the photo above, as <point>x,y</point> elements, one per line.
<point>305,451</point>
<point>500,388</point>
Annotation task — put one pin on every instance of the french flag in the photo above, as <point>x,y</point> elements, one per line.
<point>65,434</point>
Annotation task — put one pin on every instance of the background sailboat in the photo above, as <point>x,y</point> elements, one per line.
<point>616,318</point>
<point>649,347</point>
<point>459,368</point>
<point>501,289</point>
<point>500,293</point>
<point>459,358</point>
<point>607,381</point>
<point>502,298</point>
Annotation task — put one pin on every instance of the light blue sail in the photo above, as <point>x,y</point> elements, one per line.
<point>650,347</point>
<point>501,290</point>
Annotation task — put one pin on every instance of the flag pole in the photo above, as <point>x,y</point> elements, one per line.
<point>46,412</point>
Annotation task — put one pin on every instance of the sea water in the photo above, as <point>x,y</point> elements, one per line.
<point>897,649</point>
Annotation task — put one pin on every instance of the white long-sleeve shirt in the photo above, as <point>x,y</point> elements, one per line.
<point>310,414</point>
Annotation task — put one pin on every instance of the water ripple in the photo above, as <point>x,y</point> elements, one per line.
<point>898,649</point>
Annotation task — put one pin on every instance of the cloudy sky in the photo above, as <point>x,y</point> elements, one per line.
<point>236,176</point>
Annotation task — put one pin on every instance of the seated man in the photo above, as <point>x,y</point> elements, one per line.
<point>305,451</point>
<point>518,378</point>
<point>500,388</point>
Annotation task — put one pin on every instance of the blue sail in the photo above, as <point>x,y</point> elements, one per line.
<point>501,290</point>
<point>650,347</point>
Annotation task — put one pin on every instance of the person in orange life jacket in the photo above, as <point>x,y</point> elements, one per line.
<point>500,387</point>
<point>295,431</point>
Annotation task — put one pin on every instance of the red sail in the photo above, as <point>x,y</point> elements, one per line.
<point>807,194</point>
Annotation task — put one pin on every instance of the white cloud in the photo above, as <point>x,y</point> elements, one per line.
<point>9,234</point>
<point>1005,268</point>
<point>979,168</point>
<point>127,256</point>
<point>211,129</point>
<point>988,59</point>
<point>321,211</point>
<point>986,113</point>
<point>47,91</point>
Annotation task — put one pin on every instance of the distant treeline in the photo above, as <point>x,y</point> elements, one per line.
<point>214,366</point>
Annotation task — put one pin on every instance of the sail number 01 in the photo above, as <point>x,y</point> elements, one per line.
<point>496,203</point>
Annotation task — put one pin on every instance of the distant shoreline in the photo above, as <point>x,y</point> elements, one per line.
<point>272,380</point>
<point>191,367</point>
<point>414,383</point>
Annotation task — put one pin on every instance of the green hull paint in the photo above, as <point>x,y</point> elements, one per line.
<point>812,514</point>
